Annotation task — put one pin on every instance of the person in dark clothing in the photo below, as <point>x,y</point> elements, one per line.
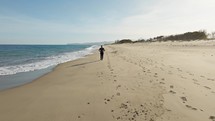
<point>101,50</point>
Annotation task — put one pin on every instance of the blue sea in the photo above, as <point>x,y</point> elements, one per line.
<point>17,62</point>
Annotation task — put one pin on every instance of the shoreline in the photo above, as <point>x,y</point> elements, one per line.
<point>35,75</point>
<point>133,82</point>
<point>12,78</point>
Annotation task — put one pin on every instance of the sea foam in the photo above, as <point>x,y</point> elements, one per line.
<point>47,62</point>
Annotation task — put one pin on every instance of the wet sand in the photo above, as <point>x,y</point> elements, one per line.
<point>164,81</point>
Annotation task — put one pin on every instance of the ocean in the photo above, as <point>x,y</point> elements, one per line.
<point>20,64</point>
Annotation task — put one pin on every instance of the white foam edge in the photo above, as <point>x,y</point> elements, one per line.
<point>49,61</point>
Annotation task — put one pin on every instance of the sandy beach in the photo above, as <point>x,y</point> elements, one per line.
<point>160,81</point>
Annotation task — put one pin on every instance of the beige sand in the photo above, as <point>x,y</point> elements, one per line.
<point>168,81</point>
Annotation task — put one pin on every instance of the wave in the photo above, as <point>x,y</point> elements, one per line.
<point>47,62</point>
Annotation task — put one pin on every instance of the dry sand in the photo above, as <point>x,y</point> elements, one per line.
<point>167,81</point>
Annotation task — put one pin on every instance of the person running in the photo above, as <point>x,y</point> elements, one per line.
<point>101,50</point>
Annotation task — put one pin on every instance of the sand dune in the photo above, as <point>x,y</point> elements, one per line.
<point>167,81</point>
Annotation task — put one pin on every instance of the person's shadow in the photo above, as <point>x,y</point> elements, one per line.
<point>84,63</point>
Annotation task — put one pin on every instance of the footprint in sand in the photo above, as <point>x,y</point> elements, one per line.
<point>118,94</point>
<point>184,99</point>
<point>179,69</point>
<point>212,118</point>
<point>148,71</point>
<point>128,112</point>
<point>162,83</point>
<point>210,79</point>
<point>183,77</point>
<point>202,76</point>
<point>190,107</point>
<point>161,69</point>
<point>172,92</point>
<point>125,106</point>
<point>196,83</point>
<point>106,100</point>
<point>170,66</point>
<point>156,75</point>
<point>207,87</point>
<point>118,86</point>
<point>195,80</point>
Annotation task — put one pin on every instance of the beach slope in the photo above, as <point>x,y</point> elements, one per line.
<point>168,81</point>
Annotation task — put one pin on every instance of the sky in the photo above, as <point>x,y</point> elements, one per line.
<point>79,21</point>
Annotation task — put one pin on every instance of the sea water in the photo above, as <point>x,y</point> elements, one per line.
<point>20,64</point>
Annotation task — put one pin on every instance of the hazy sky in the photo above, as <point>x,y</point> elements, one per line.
<point>68,21</point>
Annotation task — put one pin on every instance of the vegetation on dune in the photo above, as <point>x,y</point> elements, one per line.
<point>197,35</point>
<point>188,36</point>
<point>123,41</point>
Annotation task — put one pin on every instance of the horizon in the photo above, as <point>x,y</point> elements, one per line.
<point>73,43</point>
<point>63,22</point>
